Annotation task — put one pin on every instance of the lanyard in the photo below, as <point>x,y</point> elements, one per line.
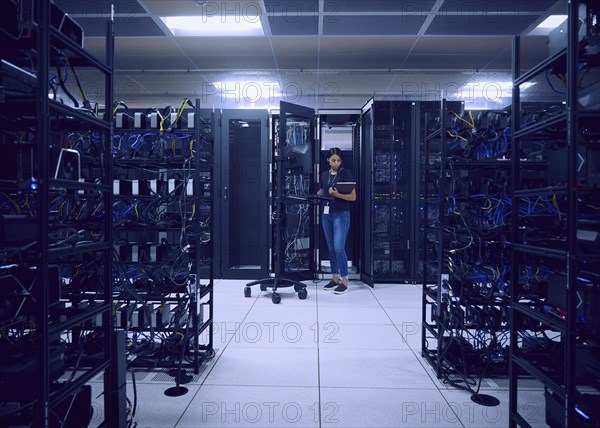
<point>330,181</point>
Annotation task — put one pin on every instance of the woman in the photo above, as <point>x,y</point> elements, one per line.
<point>336,219</point>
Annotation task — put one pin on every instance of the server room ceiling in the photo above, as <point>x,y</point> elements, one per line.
<point>321,37</point>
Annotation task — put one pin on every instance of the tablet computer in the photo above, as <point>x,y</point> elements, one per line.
<point>345,187</point>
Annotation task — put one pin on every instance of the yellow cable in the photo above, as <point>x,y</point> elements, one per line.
<point>457,136</point>
<point>97,208</point>
<point>471,124</point>
<point>18,208</point>
<point>72,71</point>
<point>556,205</point>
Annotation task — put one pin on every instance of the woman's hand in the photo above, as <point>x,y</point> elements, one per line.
<point>345,196</point>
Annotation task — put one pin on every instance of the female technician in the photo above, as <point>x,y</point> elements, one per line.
<point>336,219</point>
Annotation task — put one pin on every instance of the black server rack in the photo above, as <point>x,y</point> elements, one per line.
<point>466,213</point>
<point>555,279</point>
<point>56,221</point>
<point>163,234</point>
<point>242,204</point>
<point>388,189</point>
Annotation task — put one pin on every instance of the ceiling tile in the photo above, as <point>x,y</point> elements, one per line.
<point>133,26</point>
<point>291,7</point>
<point>91,9</point>
<point>224,45</point>
<point>361,61</point>
<point>407,6</point>
<point>237,62</point>
<point>288,25</point>
<point>480,25</point>
<point>300,45</point>
<point>297,62</point>
<point>152,62</point>
<point>380,45</point>
<point>372,25</point>
<point>447,62</point>
<point>494,6</point>
<point>462,45</point>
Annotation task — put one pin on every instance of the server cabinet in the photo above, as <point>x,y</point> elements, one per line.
<point>243,198</point>
<point>388,189</point>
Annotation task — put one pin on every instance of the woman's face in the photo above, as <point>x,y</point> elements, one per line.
<point>335,162</point>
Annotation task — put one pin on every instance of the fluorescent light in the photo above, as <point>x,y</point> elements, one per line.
<point>251,91</point>
<point>548,25</point>
<point>552,21</point>
<point>491,92</point>
<point>225,25</point>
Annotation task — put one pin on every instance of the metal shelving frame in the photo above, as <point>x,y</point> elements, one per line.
<point>200,284</point>
<point>55,324</point>
<point>562,384</point>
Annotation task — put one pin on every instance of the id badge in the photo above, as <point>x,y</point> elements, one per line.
<point>326,209</point>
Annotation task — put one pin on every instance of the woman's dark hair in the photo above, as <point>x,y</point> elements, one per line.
<point>334,151</point>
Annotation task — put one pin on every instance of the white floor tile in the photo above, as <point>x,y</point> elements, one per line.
<point>398,295</point>
<point>282,313</point>
<point>531,405</point>
<point>153,408</point>
<point>277,334</point>
<point>372,369</point>
<point>380,408</point>
<point>252,406</point>
<point>357,337</point>
<point>265,367</point>
<point>359,295</point>
<point>352,315</point>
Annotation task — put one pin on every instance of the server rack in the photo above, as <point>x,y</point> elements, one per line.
<point>466,215</point>
<point>163,223</point>
<point>242,209</point>
<point>554,258</point>
<point>388,192</point>
<point>56,253</point>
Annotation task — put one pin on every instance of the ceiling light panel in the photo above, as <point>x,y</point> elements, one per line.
<point>214,25</point>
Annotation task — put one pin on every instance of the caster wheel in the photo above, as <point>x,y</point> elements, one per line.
<point>247,292</point>
<point>297,288</point>
<point>302,294</point>
<point>263,287</point>
<point>276,298</point>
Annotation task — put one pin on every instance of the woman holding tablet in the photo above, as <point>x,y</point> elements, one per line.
<point>336,217</point>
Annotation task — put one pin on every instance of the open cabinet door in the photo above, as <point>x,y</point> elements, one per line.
<point>366,194</point>
<point>294,160</point>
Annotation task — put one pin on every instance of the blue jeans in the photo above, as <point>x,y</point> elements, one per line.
<point>335,226</point>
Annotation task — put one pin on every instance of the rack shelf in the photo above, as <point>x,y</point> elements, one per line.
<point>66,241</point>
<point>548,273</point>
